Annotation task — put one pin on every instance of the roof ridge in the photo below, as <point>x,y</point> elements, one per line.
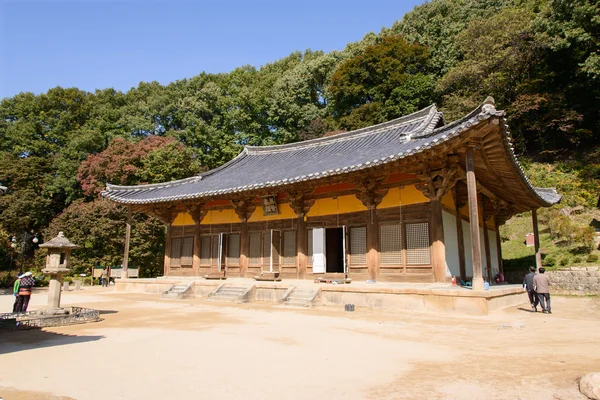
<point>428,113</point>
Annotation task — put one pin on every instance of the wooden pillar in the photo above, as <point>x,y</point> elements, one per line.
<point>372,244</point>
<point>477,282</point>
<point>438,249</point>
<point>168,251</point>
<point>460,238</point>
<point>499,247</point>
<point>196,258</point>
<point>488,256</point>
<point>244,249</point>
<point>301,245</point>
<point>536,240</point>
<point>124,273</point>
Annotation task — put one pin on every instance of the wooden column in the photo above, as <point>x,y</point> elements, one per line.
<point>488,256</point>
<point>301,206</point>
<point>196,258</point>
<point>124,273</point>
<point>477,282</point>
<point>302,246</point>
<point>499,247</point>
<point>168,251</point>
<point>460,237</point>
<point>244,249</point>
<point>536,239</point>
<point>372,241</point>
<point>244,207</point>
<point>438,249</point>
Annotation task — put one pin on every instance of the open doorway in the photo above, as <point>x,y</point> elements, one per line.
<point>334,250</point>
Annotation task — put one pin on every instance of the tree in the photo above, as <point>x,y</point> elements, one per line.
<point>125,162</point>
<point>387,80</point>
<point>99,228</point>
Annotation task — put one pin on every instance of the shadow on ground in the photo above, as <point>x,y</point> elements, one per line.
<point>21,340</point>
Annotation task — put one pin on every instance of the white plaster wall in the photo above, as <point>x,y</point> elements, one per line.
<point>494,252</point>
<point>468,255</point>
<point>451,244</point>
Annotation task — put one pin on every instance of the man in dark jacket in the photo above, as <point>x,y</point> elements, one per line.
<point>25,288</point>
<point>528,285</point>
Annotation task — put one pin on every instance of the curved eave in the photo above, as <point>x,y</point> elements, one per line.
<point>545,197</point>
<point>428,140</point>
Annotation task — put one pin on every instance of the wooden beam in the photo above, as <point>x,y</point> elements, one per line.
<point>301,245</point>
<point>124,274</point>
<point>196,257</point>
<point>460,237</point>
<point>244,249</point>
<point>477,283</point>
<point>438,249</point>
<point>167,265</point>
<point>536,239</point>
<point>488,257</point>
<point>499,247</point>
<point>372,240</point>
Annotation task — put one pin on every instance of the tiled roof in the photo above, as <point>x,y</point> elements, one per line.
<point>59,241</point>
<point>272,166</point>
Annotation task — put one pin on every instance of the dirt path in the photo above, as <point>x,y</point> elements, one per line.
<point>148,348</point>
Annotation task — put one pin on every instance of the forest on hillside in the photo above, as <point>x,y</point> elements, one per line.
<point>539,59</point>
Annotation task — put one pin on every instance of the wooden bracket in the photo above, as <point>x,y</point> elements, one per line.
<point>244,208</point>
<point>300,203</point>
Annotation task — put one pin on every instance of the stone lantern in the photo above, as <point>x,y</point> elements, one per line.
<point>57,264</point>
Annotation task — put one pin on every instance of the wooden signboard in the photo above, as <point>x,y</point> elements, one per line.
<point>269,205</point>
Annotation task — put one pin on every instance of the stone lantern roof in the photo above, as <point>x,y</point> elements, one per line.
<point>59,242</point>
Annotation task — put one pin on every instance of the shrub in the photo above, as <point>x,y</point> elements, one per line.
<point>550,261</point>
<point>576,260</point>
<point>564,261</point>
<point>68,279</point>
<point>592,258</point>
<point>586,237</point>
<point>7,279</point>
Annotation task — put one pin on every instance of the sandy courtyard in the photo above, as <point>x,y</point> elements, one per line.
<point>149,348</point>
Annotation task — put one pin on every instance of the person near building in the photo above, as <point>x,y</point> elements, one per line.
<point>16,291</point>
<point>104,278</point>
<point>528,285</point>
<point>541,285</point>
<point>25,288</point>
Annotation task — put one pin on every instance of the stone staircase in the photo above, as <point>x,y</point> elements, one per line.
<point>179,291</point>
<point>301,297</point>
<point>233,293</point>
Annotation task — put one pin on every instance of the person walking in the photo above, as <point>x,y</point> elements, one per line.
<point>528,285</point>
<point>16,291</point>
<point>104,278</point>
<point>541,285</point>
<point>25,287</point>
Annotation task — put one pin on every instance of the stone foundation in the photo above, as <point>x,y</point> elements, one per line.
<point>575,281</point>
<point>416,297</point>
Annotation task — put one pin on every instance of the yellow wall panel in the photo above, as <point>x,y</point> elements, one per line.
<point>448,201</point>
<point>285,212</point>
<point>183,219</point>
<point>341,205</point>
<point>226,216</point>
<point>407,195</point>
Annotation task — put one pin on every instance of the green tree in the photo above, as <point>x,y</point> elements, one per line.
<point>389,79</point>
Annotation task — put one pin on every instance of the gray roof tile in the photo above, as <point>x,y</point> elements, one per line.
<point>258,167</point>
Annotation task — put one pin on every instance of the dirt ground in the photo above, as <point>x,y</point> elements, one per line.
<point>149,348</point>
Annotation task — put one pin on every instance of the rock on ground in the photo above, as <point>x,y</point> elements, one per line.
<point>589,385</point>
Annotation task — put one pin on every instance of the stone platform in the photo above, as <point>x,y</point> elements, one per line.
<point>425,297</point>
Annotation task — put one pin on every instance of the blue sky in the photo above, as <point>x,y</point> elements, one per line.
<point>102,44</point>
